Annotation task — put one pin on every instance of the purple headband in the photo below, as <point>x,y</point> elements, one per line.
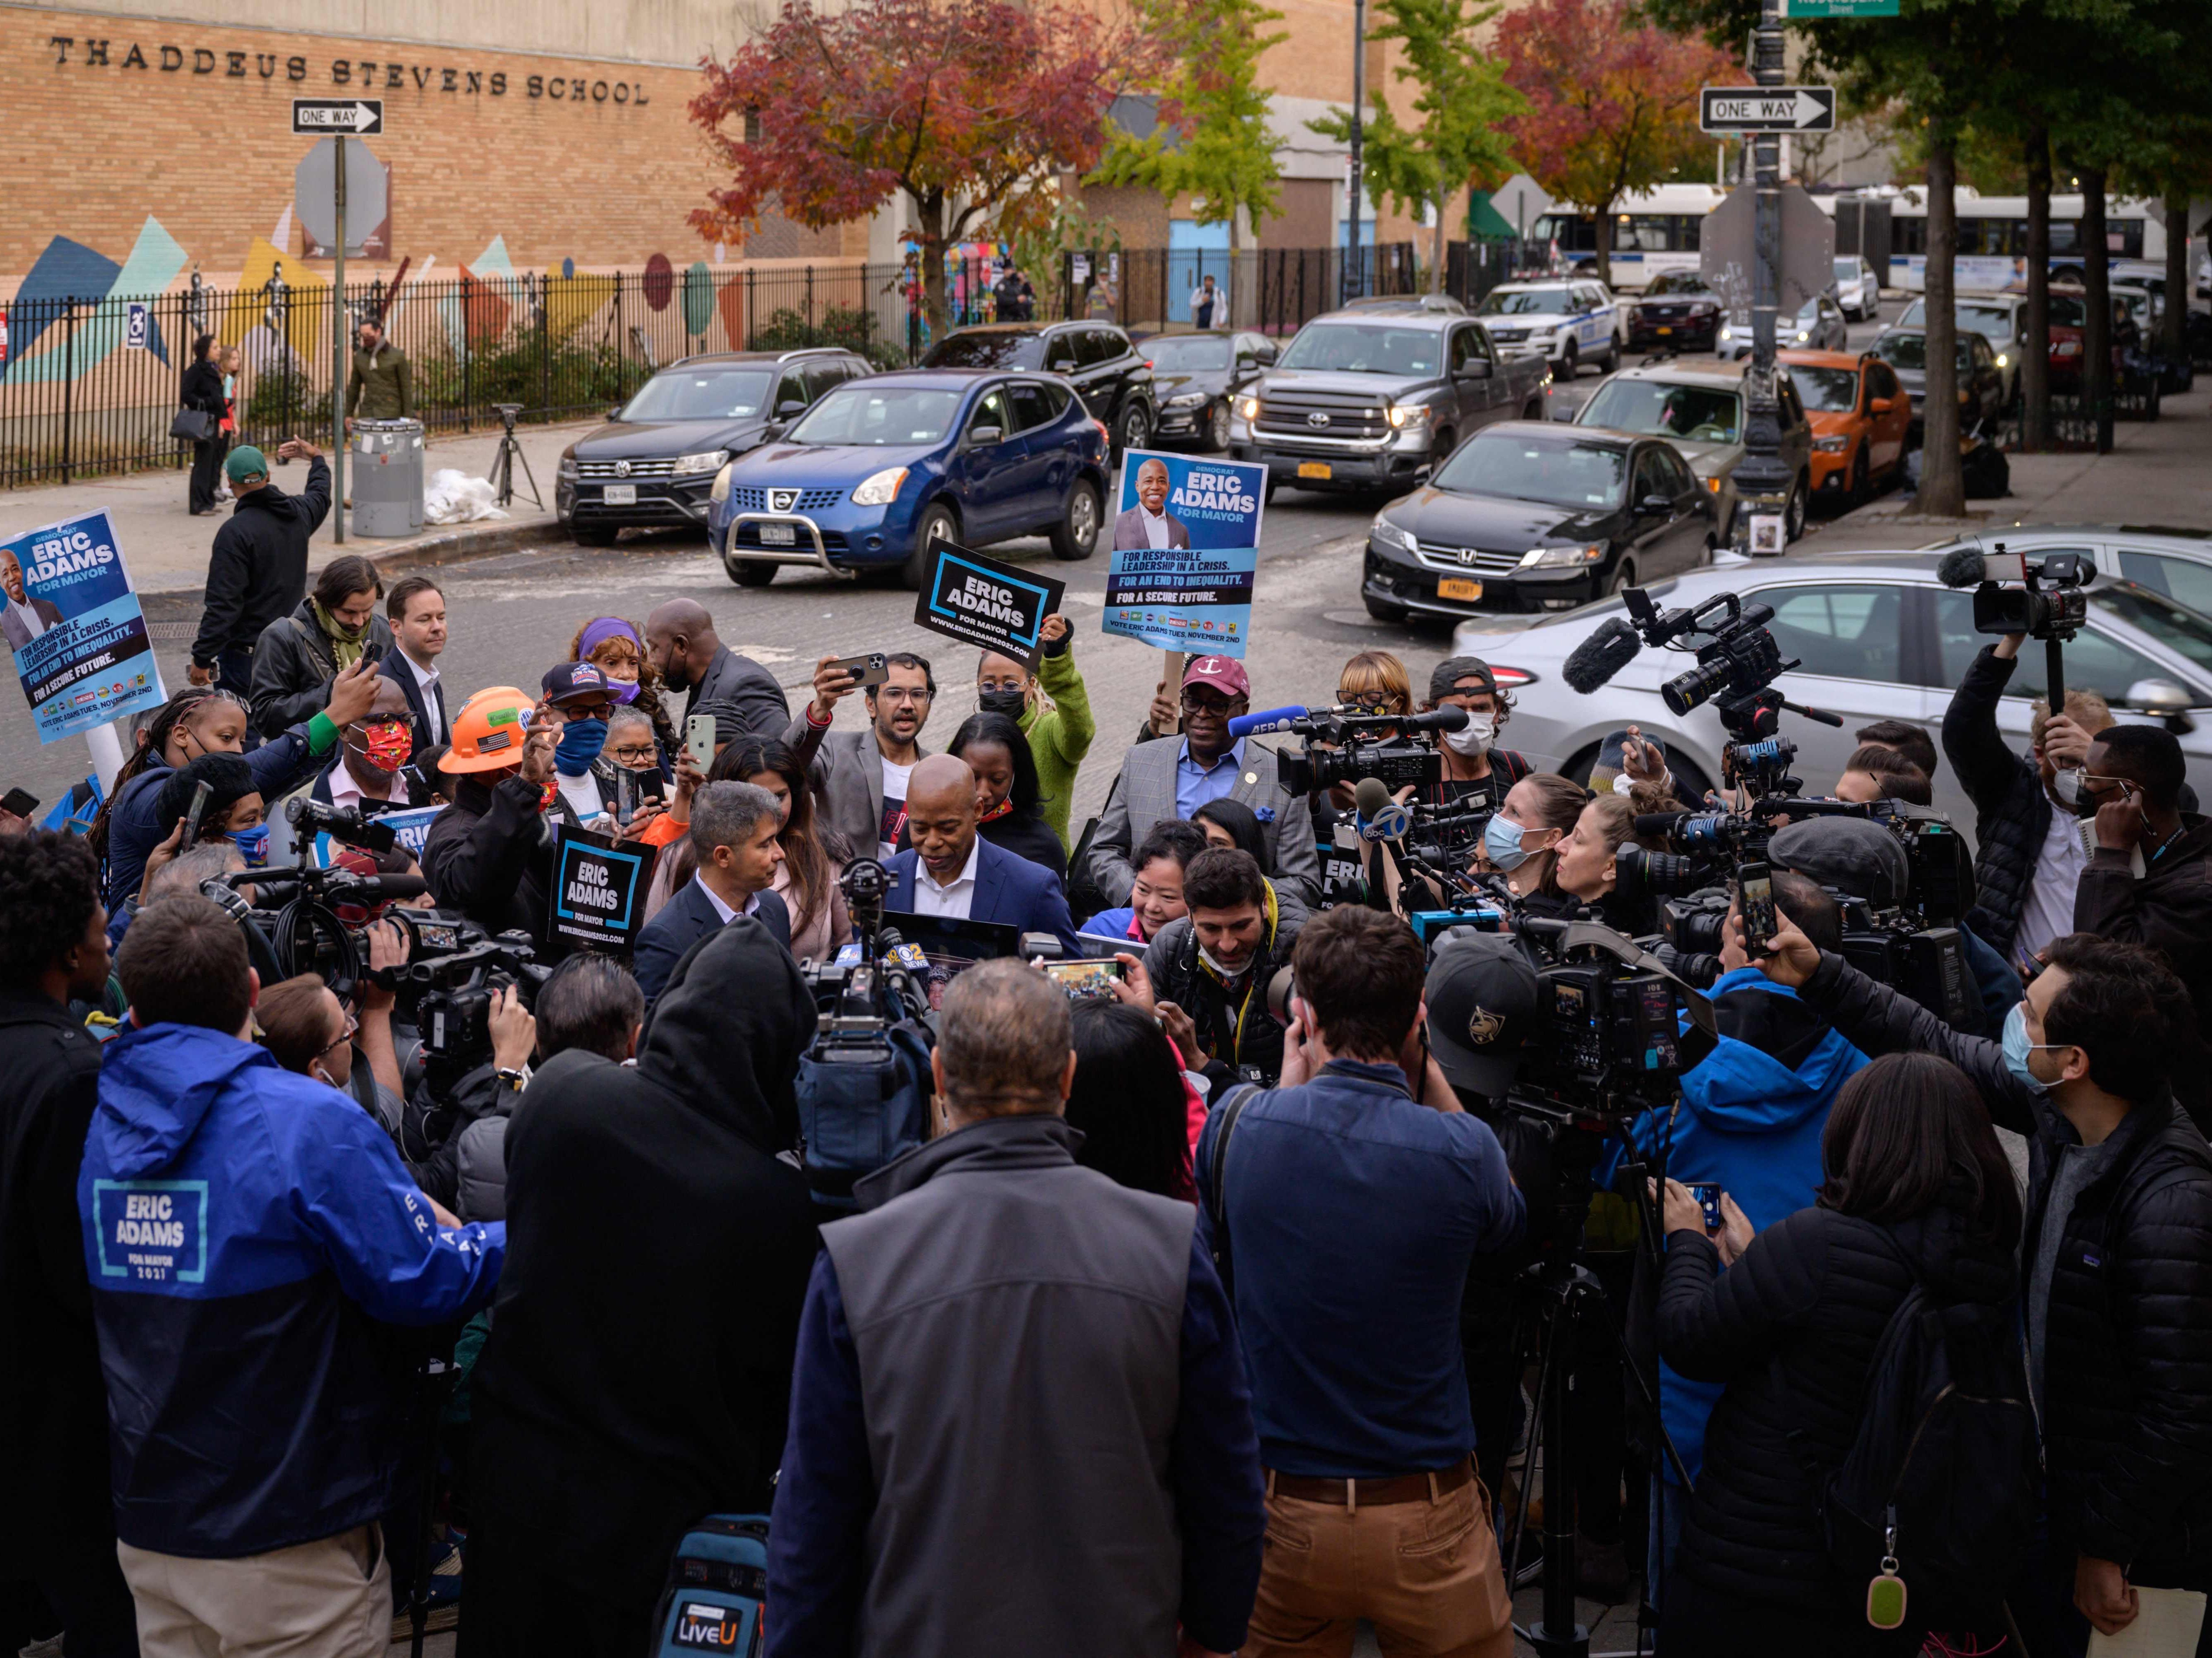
<point>597,632</point>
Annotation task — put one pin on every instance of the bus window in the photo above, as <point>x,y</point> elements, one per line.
<point>1910,235</point>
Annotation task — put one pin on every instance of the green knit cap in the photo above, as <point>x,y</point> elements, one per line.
<point>246,461</point>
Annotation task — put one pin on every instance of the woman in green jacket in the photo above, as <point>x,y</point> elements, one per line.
<point>1053,710</point>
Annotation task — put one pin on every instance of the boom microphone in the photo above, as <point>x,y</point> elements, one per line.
<point>1267,719</point>
<point>1962,567</point>
<point>1609,649</point>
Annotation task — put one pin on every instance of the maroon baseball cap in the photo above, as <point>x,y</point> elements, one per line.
<point>1225,673</point>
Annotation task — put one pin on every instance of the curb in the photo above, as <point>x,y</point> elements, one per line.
<point>467,542</point>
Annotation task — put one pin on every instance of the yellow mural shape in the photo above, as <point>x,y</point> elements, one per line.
<point>571,302</point>
<point>306,327</point>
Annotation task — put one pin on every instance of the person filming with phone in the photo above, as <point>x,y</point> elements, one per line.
<point>257,568</point>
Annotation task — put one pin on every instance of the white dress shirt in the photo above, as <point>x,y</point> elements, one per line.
<point>723,910</point>
<point>427,677</point>
<point>1156,526</point>
<point>956,897</point>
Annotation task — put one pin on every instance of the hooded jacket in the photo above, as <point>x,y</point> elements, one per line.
<point>293,666</point>
<point>257,568</point>
<point>489,855</point>
<point>245,1231</point>
<point>1750,1121</point>
<point>639,1366</point>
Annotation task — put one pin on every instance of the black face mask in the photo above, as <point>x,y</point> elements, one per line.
<point>1011,703</point>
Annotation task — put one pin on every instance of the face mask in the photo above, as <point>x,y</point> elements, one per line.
<point>1011,703</point>
<point>1221,966</point>
<point>387,747</point>
<point>580,745</point>
<point>1501,842</point>
<point>1474,736</point>
<point>254,844</point>
<point>2067,786</point>
<point>2017,1047</point>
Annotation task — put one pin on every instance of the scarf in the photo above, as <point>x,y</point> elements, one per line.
<point>346,642</point>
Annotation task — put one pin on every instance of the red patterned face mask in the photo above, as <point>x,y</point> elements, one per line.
<point>388,745</point>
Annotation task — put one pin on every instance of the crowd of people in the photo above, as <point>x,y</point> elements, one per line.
<point>1199,1321</point>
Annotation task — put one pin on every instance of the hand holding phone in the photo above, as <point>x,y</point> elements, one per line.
<point>863,672</point>
<point>1755,887</point>
<point>1708,1194</point>
<point>194,813</point>
<point>699,739</point>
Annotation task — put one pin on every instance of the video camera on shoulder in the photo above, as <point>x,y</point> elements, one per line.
<point>1610,1043</point>
<point>1398,751</point>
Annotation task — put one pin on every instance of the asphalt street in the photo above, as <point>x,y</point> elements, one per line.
<point>513,617</point>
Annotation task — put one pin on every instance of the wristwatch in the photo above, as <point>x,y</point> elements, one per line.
<point>516,1079</point>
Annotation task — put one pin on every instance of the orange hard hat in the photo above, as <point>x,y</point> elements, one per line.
<point>488,733</point>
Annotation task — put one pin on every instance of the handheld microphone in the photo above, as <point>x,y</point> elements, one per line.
<point>1962,567</point>
<point>1451,718</point>
<point>1610,648</point>
<point>1379,817</point>
<point>1267,719</point>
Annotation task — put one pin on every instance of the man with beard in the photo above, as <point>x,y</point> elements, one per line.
<point>861,776</point>
<point>681,643</point>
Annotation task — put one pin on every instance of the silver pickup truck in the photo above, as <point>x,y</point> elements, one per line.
<point>1376,398</point>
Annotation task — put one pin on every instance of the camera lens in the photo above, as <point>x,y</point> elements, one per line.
<point>1697,685</point>
<point>1657,874</point>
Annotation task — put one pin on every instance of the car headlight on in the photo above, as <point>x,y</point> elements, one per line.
<point>720,492</point>
<point>707,461</point>
<point>1186,400</point>
<point>1804,334</point>
<point>1403,415</point>
<point>1389,534</point>
<point>1832,445</point>
<point>880,489</point>
<point>1562,558</point>
<point>2003,360</point>
<point>1248,407</point>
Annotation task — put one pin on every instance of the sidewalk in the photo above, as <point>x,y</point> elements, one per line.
<point>167,548</point>
<point>2160,472</point>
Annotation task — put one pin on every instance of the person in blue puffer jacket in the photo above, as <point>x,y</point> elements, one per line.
<point>249,1235</point>
<point>1750,1121</point>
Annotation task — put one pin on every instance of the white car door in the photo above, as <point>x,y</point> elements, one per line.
<point>1848,636</point>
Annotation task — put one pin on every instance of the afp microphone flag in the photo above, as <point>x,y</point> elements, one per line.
<point>1186,546</point>
<point>69,613</point>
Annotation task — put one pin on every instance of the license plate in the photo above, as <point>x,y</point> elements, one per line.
<point>1663,329</point>
<point>1313,469</point>
<point>1453,586</point>
<point>621,494</point>
<point>779,535</point>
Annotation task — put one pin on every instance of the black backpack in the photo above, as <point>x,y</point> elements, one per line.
<point>1939,1487</point>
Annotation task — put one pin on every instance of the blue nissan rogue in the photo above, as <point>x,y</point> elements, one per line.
<point>880,467</point>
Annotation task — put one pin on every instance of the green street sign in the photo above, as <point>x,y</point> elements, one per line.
<point>1842,8</point>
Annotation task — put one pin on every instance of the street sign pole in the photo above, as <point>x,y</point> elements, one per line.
<point>1355,284</point>
<point>1763,481</point>
<point>338,332</point>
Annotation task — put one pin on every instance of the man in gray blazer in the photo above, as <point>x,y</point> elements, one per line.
<point>1172,777</point>
<point>860,776</point>
<point>1148,524</point>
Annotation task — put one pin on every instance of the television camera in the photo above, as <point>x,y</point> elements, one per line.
<point>2051,603</point>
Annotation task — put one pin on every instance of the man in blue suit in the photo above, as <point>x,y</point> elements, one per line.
<point>733,828</point>
<point>950,870</point>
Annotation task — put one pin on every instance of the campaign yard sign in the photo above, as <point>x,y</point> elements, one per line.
<point>981,602</point>
<point>1186,546</point>
<point>598,890</point>
<point>69,613</point>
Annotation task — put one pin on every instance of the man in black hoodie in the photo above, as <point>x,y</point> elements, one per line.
<point>638,1373</point>
<point>257,571</point>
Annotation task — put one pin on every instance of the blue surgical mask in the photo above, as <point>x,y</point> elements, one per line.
<point>1501,842</point>
<point>253,844</point>
<point>580,745</point>
<point>2017,1047</point>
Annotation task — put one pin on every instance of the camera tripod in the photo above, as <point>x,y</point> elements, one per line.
<point>1573,1320</point>
<point>510,451</point>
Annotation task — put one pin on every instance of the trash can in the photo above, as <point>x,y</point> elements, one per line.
<point>386,484</point>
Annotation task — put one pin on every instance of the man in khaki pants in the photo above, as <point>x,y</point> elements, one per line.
<point>1352,1199</point>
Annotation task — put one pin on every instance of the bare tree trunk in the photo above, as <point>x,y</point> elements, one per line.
<point>929,222</point>
<point>2035,349</point>
<point>1443,204</point>
<point>2176,323</point>
<point>2097,381</point>
<point>1942,488</point>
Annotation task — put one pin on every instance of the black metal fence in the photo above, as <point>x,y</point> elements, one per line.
<point>90,386</point>
<point>1276,291</point>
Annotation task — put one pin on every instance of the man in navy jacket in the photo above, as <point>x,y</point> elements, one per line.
<point>950,870</point>
<point>733,828</point>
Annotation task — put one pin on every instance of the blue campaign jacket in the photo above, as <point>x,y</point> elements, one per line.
<point>245,1231</point>
<point>1750,1122</point>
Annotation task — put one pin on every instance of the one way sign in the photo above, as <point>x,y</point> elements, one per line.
<point>356,118</point>
<point>1723,110</point>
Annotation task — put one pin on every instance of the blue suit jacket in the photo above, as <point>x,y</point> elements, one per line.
<point>685,920</point>
<point>1009,891</point>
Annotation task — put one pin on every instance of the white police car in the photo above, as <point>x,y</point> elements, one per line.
<point>1565,320</point>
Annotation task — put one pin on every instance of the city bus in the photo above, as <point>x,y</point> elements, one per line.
<point>1993,238</point>
<point>1653,230</point>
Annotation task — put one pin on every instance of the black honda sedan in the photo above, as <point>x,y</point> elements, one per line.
<point>1526,515</point>
<point>654,461</point>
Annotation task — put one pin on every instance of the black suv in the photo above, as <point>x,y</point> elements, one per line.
<point>654,461</point>
<point>1096,358</point>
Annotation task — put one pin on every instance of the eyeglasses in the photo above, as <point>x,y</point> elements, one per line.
<point>352,1029</point>
<point>635,753</point>
<point>901,694</point>
<point>1207,702</point>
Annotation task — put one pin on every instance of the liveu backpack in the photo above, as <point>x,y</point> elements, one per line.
<point>717,1584</point>
<point>863,1099</point>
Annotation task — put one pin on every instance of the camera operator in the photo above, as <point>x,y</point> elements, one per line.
<point>2030,856</point>
<point>2149,882</point>
<point>1206,975</point>
<point>1876,771</point>
<point>486,856</point>
<point>1348,1211</point>
<point>1476,775</point>
<point>437,1118</point>
<point>57,1524</point>
<point>638,1371</point>
<point>270,1229</point>
<point>1062,1340</point>
<point>310,1031</point>
<point>2118,1258</point>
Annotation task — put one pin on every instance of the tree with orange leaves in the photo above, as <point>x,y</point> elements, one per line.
<point>1612,101</point>
<point>964,107</point>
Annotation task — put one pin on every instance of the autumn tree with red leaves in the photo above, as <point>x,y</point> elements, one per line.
<point>1612,101</point>
<point>965,107</point>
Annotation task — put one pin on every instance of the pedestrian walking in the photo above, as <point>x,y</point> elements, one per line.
<point>201,393</point>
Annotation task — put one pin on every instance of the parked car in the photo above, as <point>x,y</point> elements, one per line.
<point>2176,563</point>
<point>1877,638</point>
<point>1444,304</point>
<point>2001,319</point>
<point>1096,358</point>
<point>1563,319</point>
<point>1537,517</point>
<point>2070,317</point>
<point>655,460</point>
<point>1676,309</point>
<point>1196,378</point>
<point>1819,326</point>
<point>1698,408</point>
<point>1981,383</point>
<point>1859,415</point>
<point>1361,401</point>
<point>1858,290</point>
<point>877,470</point>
